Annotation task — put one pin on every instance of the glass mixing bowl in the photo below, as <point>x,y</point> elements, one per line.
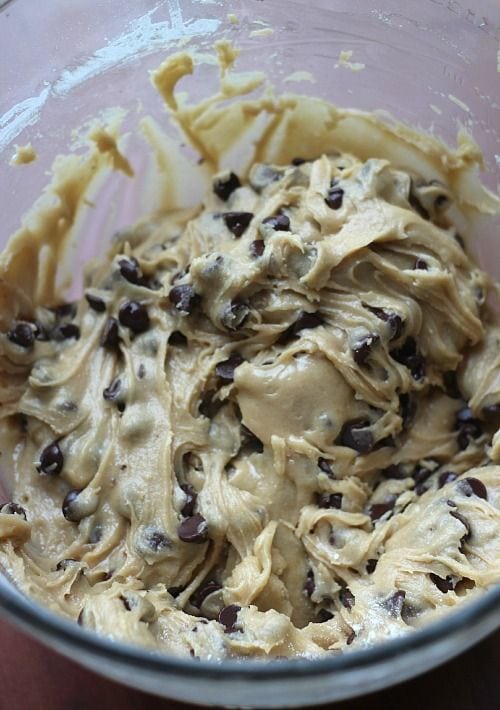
<point>432,64</point>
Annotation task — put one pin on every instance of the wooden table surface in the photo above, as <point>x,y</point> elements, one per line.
<point>34,678</point>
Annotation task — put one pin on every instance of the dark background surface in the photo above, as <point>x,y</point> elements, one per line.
<point>34,678</point>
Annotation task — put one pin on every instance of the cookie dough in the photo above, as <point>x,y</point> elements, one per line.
<point>270,425</point>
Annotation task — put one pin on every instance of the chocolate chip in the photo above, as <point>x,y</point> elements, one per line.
<point>175,591</point>
<point>96,303</point>
<point>371,565</point>
<point>69,507</point>
<point>458,516</point>
<point>446,477</point>
<point>450,385</point>
<point>298,161</point>
<point>326,467</point>
<point>209,406</point>
<point>357,435</point>
<point>193,529</point>
<point>393,319</point>
<point>421,474</point>
<point>224,187</point>
<point>394,603</point>
<point>408,356</point>
<point>249,441</point>
<point>225,369</point>
<point>347,598</point>
<point>407,409</point>
<point>396,472</point>
<point>63,565</point>
<point>12,508</point>
<point>228,616</point>
<point>177,339</point>
<point>234,315</point>
<point>324,615</point>
<point>134,315</point>
<point>203,592</point>
<point>444,585</point>
<point>491,411</point>
<point>377,510</point>
<point>237,222</point>
<point>156,540</point>
<point>329,500</point>
<point>184,298</point>
<point>65,331</point>
<point>473,486</point>
<point>421,264</point>
<point>335,198</point>
<point>22,334</point>
<point>51,460</point>
<point>309,585</point>
<point>191,496</point>
<point>109,336</point>
<point>257,248</point>
<point>279,222</point>
<point>468,427</point>
<point>464,416</point>
<point>304,321</point>
<point>131,271</point>
<point>362,349</point>
<point>113,391</point>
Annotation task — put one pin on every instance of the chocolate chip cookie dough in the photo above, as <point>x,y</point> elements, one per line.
<point>270,425</point>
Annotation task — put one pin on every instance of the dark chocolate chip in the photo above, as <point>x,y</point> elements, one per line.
<point>131,271</point>
<point>394,603</point>
<point>191,496</point>
<point>225,369</point>
<point>193,529</point>
<point>257,248</point>
<point>184,298</point>
<point>237,222</point>
<point>51,460</point>
<point>177,339</point>
<point>362,349</point>
<point>134,315</point>
<point>468,427</point>
<point>444,585</point>
<point>209,406</point>
<point>473,486</point>
<point>69,509</point>
<point>309,585</point>
<point>421,264</point>
<point>203,592</point>
<point>446,477</point>
<point>393,319</point>
<point>408,356</point>
<point>224,187</point>
<point>234,315</point>
<point>377,510</point>
<point>22,334</point>
<point>458,516</point>
<point>280,222</point>
<point>324,615</point>
<point>335,198</point>
<point>304,321</point>
<point>421,474</point>
<point>450,385</point>
<point>228,616</point>
<point>396,471</point>
<point>347,598</point>
<point>65,310</point>
<point>96,303</point>
<point>156,540</point>
<point>175,591</point>
<point>109,336</point>
<point>12,508</point>
<point>326,467</point>
<point>113,391</point>
<point>357,435</point>
<point>65,331</point>
<point>329,500</point>
<point>371,565</point>
<point>407,408</point>
<point>491,411</point>
<point>63,565</point>
<point>464,416</point>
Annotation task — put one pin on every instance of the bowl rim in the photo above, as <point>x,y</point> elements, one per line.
<point>40,621</point>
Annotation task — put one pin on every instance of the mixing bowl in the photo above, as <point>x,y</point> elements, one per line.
<point>432,64</point>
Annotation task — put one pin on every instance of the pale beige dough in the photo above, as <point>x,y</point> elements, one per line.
<point>324,535</point>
